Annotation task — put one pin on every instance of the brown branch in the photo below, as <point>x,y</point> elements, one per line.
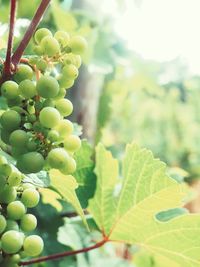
<point>30,31</point>
<point>64,254</point>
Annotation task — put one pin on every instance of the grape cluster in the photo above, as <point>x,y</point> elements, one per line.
<point>34,125</point>
<point>15,222</point>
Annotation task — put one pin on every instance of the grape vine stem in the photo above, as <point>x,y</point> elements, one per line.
<point>64,254</point>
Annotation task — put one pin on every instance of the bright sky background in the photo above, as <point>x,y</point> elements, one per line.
<point>160,29</point>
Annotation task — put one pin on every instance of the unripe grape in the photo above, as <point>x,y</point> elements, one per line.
<point>5,169</point>
<point>27,89</point>
<point>50,46</point>
<point>10,120</point>
<point>64,106</point>
<point>10,90</point>
<point>70,167</point>
<point>49,117</point>
<point>2,223</point>
<point>12,225</point>
<point>5,136</point>
<point>11,242</point>
<point>72,143</point>
<point>72,59</point>
<point>49,103</point>
<point>33,245</point>
<point>70,72</point>
<point>23,72</point>
<point>18,138</point>
<point>15,178</point>
<point>28,223</point>
<point>3,181</point>
<point>41,33</point>
<point>16,210</point>
<point>8,194</point>
<point>38,50</point>
<point>15,258</point>
<point>31,162</point>
<point>32,118</point>
<point>47,87</point>
<point>78,45</point>
<point>41,65</point>
<point>57,158</point>
<point>62,37</point>
<point>31,145</point>
<point>18,151</point>
<point>53,136</point>
<point>30,197</point>
<point>3,160</point>
<point>61,94</point>
<point>65,128</point>
<point>64,82</point>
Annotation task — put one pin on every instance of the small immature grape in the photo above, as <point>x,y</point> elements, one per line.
<point>5,169</point>
<point>47,87</point>
<point>53,136</point>
<point>11,242</point>
<point>18,138</point>
<point>30,197</point>
<point>41,33</point>
<point>10,120</point>
<point>49,117</point>
<point>2,223</point>
<point>27,89</point>
<point>3,181</point>
<point>15,258</point>
<point>28,223</point>
<point>65,128</point>
<point>15,178</point>
<point>41,65</point>
<point>8,194</point>
<point>10,90</point>
<point>72,143</point>
<point>72,59</point>
<point>57,158</point>
<point>70,167</point>
<point>64,106</point>
<point>3,160</point>
<point>50,46</point>
<point>16,210</point>
<point>31,162</point>
<point>38,50</point>
<point>65,82</point>
<point>70,72</point>
<point>78,45</point>
<point>31,145</point>
<point>12,225</point>
<point>23,72</point>
<point>18,151</point>
<point>33,245</point>
<point>61,94</point>
<point>62,37</point>
<point>49,103</point>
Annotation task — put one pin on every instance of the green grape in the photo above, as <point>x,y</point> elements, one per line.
<point>3,181</point>
<point>72,143</point>
<point>10,120</point>
<point>41,65</point>
<point>5,135</point>
<point>18,138</point>
<point>47,87</point>
<point>3,160</point>
<point>5,169</point>
<point>57,158</point>
<point>30,197</point>
<point>18,151</point>
<point>50,46</point>
<point>38,50</point>
<point>15,178</point>
<point>28,223</point>
<point>31,162</point>
<point>78,45</point>
<point>2,223</point>
<point>23,72</point>
<point>65,128</point>
<point>49,117</point>
<point>62,37</point>
<point>10,90</point>
<point>31,109</point>
<point>70,167</point>
<point>31,145</point>
<point>27,89</point>
<point>12,225</point>
<point>41,33</point>
<point>70,72</point>
<point>72,59</point>
<point>8,194</point>
<point>49,103</point>
<point>33,245</point>
<point>15,101</point>
<point>64,106</point>
<point>53,136</point>
<point>32,118</point>
<point>15,210</point>
<point>64,82</point>
<point>61,94</point>
<point>15,258</point>
<point>11,242</point>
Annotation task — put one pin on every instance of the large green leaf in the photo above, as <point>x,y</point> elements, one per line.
<point>66,185</point>
<point>146,190</point>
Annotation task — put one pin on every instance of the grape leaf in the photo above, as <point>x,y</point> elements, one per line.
<point>84,174</point>
<point>51,197</point>
<point>66,185</point>
<point>146,190</point>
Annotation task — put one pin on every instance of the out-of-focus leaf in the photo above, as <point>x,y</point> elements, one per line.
<point>51,197</point>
